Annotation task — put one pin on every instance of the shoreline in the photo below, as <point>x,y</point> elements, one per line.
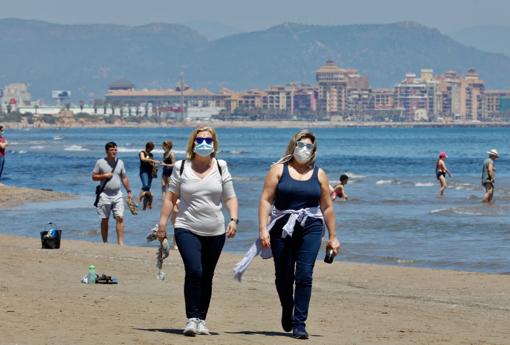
<point>358,303</point>
<point>259,124</point>
<point>11,196</point>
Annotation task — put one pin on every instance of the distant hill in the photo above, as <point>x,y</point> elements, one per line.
<point>492,38</point>
<point>86,58</point>
<point>213,30</point>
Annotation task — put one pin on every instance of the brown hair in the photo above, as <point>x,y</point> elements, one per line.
<point>167,144</point>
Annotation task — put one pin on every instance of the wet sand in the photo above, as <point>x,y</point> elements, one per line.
<point>43,302</point>
<point>14,196</point>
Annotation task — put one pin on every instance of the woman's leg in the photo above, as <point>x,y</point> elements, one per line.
<point>284,274</point>
<point>211,250</point>
<point>442,182</point>
<point>190,248</point>
<point>306,243</point>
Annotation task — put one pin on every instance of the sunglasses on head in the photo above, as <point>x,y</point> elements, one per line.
<point>301,144</point>
<point>201,140</point>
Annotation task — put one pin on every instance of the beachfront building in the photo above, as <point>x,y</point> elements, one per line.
<point>450,86</point>
<point>15,95</point>
<point>165,100</point>
<point>341,90</point>
<point>472,92</point>
<point>381,99</point>
<point>418,98</point>
<point>494,102</point>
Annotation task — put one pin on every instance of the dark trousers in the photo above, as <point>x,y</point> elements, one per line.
<point>2,161</point>
<point>200,255</point>
<point>294,259</point>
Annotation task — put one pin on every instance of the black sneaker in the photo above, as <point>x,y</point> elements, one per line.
<point>299,332</point>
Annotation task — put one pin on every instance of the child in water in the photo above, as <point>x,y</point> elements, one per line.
<point>339,190</point>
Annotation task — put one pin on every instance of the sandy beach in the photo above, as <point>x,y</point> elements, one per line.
<point>14,196</point>
<point>43,302</point>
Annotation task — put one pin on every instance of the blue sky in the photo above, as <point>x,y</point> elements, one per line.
<point>446,15</point>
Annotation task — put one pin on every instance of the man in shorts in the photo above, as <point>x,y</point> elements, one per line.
<point>489,175</point>
<point>111,199</point>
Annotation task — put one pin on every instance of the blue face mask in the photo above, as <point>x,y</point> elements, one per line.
<point>203,149</point>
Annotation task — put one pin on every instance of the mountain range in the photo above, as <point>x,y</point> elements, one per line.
<point>86,58</point>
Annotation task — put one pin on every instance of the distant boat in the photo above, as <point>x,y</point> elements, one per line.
<point>58,137</point>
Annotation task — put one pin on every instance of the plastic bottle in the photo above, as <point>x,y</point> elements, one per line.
<point>91,276</point>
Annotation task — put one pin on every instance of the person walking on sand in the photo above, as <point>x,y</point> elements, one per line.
<point>441,172</point>
<point>3,145</point>
<point>294,205</point>
<point>489,175</point>
<point>168,165</point>
<point>201,183</point>
<point>147,173</point>
<point>339,189</point>
<point>111,172</point>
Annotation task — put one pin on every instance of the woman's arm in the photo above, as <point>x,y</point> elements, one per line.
<point>328,212</point>
<point>166,209</point>
<point>266,201</point>
<point>145,158</point>
<point>233,209</point>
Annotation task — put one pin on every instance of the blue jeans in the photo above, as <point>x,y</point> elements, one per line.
<point>146,178</point>
<point>200,255</point>
<point>2,161</point>
<point>294,259</point>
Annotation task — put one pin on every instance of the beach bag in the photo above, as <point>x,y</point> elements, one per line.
<point>50,239</point>
<point>154,171</point>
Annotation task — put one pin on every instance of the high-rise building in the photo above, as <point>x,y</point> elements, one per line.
<point>418,98</point>
<point>341,89</point>
<point>472,92</point>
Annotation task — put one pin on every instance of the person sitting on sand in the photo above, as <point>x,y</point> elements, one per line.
<point>489,175</point>
<point>441,172</point>
<point>3,145</point>
<point>339,189</point>
<point>111,172</point>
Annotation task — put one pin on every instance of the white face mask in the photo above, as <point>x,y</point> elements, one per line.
<point>203,149</point>
<point>302,155</point>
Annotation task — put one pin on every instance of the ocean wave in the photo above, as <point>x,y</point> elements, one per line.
<point>462,211</point>
<point>424,184</point>
<point>399,261</point>
<point>381,182</point>
<point>37,147</point>
<point>58,137</point>
<point>75,148</point>
<point>20,152</point>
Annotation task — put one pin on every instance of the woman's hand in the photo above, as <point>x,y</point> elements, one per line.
<point>265,241</point>
<point>333,244</point>
<point>161,233</point>
<point>231,229</point>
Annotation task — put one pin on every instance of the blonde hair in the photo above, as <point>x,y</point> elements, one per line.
<point>288,155</point>
<point>191,141</point>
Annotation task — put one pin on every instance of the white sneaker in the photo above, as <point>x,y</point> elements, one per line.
<point>202,328</point>
<point>191,327</point>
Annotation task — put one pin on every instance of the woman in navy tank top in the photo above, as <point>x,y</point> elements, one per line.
<point>293,208</point>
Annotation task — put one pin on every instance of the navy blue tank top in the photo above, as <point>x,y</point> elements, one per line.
<point>294,195</point>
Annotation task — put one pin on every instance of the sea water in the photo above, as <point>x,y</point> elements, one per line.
<point>393,214</point>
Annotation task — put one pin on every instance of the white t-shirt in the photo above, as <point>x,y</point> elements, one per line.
<point>200,208</point>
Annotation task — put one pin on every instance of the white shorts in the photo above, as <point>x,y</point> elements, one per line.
<point>110,203</point>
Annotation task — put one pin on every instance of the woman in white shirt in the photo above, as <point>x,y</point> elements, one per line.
<point>201,183</point>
